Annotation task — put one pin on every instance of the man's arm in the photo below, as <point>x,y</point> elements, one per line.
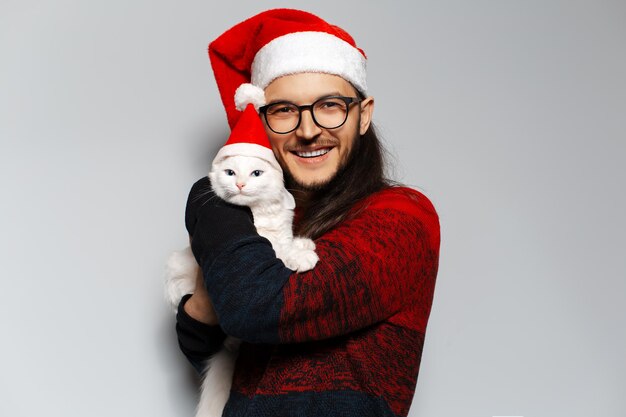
<point>197,326</point>
<point>371,267</point>
<point>197,340</point>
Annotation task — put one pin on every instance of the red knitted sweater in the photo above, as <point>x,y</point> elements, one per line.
<point>342,339</point>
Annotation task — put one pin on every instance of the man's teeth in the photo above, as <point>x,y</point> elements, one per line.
<point>313,153</point>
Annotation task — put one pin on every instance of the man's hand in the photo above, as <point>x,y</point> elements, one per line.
<point>199,305</point>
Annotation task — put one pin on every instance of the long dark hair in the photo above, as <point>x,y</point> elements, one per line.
<point>363,174</point>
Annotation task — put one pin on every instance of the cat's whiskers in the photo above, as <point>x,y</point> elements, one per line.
<point>203,193</point>
<point>212,197</point>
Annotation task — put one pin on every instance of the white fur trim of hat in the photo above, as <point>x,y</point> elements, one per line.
<point>309,52</point>
<point>247,149</point>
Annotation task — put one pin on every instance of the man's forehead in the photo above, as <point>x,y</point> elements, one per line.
<point>307,87</point>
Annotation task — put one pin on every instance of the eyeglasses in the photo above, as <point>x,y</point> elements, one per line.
<point>327,112</point>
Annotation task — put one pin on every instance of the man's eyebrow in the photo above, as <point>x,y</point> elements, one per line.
<point>283,100</point>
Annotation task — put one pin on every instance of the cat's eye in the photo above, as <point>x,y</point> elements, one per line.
<point>229,172</point>
<point>256,173</point>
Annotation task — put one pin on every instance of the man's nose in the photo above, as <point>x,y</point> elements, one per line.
<point>308,129</point>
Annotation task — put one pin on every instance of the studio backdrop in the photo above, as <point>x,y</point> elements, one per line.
<point>508,115</point>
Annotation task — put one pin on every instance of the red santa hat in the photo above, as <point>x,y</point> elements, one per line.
<point>250,55</point>
<point>248,138</point>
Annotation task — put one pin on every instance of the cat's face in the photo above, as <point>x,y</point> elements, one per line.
<point>246,180</point>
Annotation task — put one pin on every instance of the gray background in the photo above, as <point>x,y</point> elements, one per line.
<point>509,115</point>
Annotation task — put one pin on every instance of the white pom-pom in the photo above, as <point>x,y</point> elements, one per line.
<point>249,93</point>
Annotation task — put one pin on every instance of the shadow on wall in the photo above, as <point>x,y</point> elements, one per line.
<point>206,139</point>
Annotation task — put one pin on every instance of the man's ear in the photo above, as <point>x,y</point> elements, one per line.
<point>367,108</point>
<point>288,200</point>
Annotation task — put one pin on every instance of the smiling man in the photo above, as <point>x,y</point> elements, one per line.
<point>345,338</point>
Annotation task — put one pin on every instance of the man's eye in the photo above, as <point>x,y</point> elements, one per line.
<point>256,173</point>
<point>331,105</point>
<point>229,172</point>
<point>282,109</point>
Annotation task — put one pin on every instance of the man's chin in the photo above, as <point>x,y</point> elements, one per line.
<point>300,184</point>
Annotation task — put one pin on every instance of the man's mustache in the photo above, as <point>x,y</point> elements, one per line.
<point>320,143</point>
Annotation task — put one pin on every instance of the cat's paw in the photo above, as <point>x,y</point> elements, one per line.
<point>303,243</point>
<point>181,270</point>
<point>301,260</point>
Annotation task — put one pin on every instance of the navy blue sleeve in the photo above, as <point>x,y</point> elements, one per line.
<point>245,283</point>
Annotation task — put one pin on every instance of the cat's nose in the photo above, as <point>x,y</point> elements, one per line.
<point>240,185</point>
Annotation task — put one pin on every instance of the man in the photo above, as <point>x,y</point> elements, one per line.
<point>345,338</point>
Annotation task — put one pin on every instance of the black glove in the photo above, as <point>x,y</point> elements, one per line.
<point>212,223</point>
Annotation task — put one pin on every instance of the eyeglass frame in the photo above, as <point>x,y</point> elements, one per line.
<point>309,107</point>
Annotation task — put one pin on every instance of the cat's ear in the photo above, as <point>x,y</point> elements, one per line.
<point>288,200</point>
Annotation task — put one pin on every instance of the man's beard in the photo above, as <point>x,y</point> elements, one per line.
<point>293,183</point>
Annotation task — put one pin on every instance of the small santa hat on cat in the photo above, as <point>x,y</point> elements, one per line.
<point>248,138</point>
<point>253,53</point>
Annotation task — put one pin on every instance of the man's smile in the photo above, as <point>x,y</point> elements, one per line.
<point>312,157</point>
<point>311,153</point>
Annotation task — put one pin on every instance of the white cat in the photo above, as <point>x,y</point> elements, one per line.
<point>252,182</point>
